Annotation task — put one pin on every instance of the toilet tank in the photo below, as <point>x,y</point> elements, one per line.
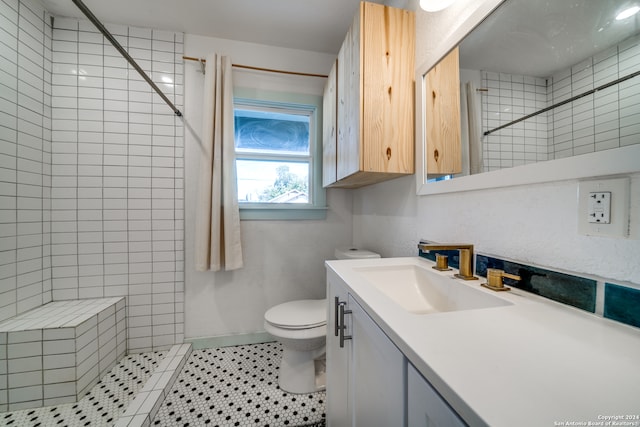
<point>349,252</point>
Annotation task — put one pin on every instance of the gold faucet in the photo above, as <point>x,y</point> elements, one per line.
<point>494,279</point>
<point>466,256</point>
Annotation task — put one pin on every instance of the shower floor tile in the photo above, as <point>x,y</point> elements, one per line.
<point>237,386</point>
<point>102,406</point>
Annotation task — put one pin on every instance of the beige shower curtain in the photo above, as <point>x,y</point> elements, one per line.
<point>217,217</point>
<point>475,131</point>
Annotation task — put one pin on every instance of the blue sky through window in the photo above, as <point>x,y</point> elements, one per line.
<point>268,131</point>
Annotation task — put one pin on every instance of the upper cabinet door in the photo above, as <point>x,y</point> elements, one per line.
<point>387,55</point>
<point>375,94</point>
<point>442,117</point>
<point>329,128</point>
<point>349,92</point>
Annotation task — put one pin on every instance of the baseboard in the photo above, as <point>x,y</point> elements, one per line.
<point>229,340</point>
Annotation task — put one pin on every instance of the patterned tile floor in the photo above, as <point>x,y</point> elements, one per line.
<point>106,401</point>
<point>237,386</point>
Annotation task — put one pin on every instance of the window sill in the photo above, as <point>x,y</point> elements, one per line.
<point>254,213</point>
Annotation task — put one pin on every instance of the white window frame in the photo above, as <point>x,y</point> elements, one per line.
<point>288,103</point>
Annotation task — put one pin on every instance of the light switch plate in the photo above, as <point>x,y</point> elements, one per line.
<point>594,219</point>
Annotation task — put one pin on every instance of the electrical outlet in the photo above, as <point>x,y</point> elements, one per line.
<point>603,207</point>
<point>600,207</point>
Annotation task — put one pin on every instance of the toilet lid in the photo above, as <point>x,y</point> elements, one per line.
<point>301,314</point>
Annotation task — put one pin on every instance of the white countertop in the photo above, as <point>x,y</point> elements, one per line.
<point>533,363</point>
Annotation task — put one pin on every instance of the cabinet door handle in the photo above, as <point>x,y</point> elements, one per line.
<point>336,325</point>
<point>343,337</point>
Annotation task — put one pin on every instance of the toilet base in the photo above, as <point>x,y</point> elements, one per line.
<point>298,373</point>
<point>321,373</point>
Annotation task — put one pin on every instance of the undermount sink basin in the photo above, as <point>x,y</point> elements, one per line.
<point>420,290</point>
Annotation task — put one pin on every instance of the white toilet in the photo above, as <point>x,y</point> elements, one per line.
<point>301,327</point>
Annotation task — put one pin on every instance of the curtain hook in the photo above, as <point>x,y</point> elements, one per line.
<point>202,66</point>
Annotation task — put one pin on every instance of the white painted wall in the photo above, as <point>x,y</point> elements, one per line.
<point>284,260</point>
<point>534,224</point>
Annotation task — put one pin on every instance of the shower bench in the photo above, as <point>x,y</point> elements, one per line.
<point>55,353</point>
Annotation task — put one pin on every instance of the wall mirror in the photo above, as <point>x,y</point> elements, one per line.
<point>548,91</point>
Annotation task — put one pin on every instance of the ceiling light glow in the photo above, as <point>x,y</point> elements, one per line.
<point>627,13</point>
<point>435,5</point>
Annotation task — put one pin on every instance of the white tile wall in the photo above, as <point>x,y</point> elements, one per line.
<point>117,204</point>
<point>91,172</point>
<point>508,98</point>
<point>25,155</point>
<point>609,118</point>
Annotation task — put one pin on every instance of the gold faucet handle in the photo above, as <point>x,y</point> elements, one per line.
<point>495,276</point>
<point>442,263</point>
<point>511,276</point>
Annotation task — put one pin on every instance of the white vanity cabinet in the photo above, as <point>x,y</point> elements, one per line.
<point>338,402</point>
<point>369,380</point>
<point>377,373</point>
<point>425,407</point>
<point>365,377</point>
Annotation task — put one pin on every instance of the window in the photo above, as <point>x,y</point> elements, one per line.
<point>278,159</point>
<point>272,154</point>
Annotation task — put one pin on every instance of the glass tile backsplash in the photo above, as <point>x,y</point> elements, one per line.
<point>565,288</point>
<point>622,303</point>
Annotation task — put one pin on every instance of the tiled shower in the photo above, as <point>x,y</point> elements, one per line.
<point>117,177</point>
<point>91,172</point>
<point>604,120</point>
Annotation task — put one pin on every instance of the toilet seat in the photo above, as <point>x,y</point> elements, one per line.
<point>301,314</point>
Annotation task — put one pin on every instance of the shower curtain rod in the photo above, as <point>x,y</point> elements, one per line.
<point>249,67</point>
<point>566,101</point>
<point>84,9</point>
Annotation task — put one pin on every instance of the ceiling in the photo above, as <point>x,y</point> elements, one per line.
<point>539,38</point>
<point>521,37</point>
<point>315,25</point>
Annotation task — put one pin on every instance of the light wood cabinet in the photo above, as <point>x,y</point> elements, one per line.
<point>329,130</point>
<point>374,115</point>
<point>442,117</point>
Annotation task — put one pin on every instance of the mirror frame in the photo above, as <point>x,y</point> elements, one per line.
<point>616,161</point>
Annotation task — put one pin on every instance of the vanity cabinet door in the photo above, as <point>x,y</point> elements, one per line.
<point>377,369</point>
<point>425,407</point>
<point>338,358</point>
